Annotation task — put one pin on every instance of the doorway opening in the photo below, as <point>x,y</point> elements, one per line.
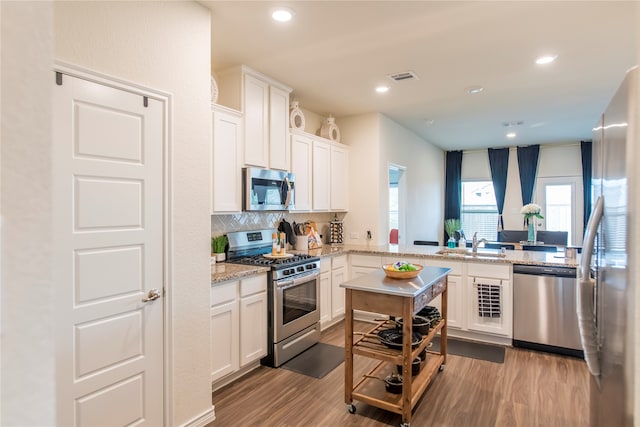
<point>397,203</point>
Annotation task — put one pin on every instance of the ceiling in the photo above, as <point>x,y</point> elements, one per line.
<point>334,54</point>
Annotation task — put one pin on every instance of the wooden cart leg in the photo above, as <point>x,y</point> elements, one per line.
<point>443,331</point>
<point>407,338</point>
<point>348,348</point>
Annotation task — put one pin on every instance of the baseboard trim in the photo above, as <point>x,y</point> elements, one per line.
<point>203,419</point>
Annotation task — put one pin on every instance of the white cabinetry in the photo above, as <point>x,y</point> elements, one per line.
<point>491,285</point>
<point>333,272</point>
<point>225,330</point>
<point>238,324</point>
<point>321,175</point>
<point>279,153</point>
<point>325,292</point>
<point>339,177</point>
<point>253,319</point>
<point>302,167</point>
<point>265,104</point>
<point>455,311</point>
<point>338,276</point>
<point>226,173</point>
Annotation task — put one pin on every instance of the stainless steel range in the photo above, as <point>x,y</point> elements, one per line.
<point>293,294</point>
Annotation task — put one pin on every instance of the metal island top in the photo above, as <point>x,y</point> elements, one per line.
<point>378,282</point>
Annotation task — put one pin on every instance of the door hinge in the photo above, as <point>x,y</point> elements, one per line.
<point>58,78</point>
<point>145,101</point>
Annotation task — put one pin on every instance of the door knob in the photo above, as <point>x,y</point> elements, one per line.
<point>153,294</point>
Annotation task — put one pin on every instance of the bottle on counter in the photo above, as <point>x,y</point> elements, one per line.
<point>283,243</point>
<point>462,243</point>
<point>275,247</point>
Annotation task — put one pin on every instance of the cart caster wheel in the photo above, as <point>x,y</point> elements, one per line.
<point>404,424</point>
<point>441,368</point>
<point>351,408</point>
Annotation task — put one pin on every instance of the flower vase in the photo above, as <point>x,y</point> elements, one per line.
<point>451,243</point>
<point>531,231</point>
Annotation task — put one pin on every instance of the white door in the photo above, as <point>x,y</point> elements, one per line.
<point>107,179</point>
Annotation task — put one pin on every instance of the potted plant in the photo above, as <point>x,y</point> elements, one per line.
<point>218,245</point>
<point>451,225</point>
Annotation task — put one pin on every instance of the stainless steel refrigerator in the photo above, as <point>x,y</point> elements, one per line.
<point>606,297</point>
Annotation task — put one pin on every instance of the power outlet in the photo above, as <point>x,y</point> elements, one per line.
<point>354,235</point>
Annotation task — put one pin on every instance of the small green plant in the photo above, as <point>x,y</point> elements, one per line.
<point>218,244</point>
<point>451,225</point>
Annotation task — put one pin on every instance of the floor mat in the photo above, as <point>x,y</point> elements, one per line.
<point>316,361</point>
<point>488,352</point>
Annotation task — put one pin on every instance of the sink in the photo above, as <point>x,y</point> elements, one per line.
<point>462,252</point>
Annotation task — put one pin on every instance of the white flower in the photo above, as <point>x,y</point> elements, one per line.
<point>531,210</point>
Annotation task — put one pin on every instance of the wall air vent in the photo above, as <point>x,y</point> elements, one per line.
<point>403,76</point>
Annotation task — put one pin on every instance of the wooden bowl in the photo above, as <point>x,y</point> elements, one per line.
<point>393,274</point>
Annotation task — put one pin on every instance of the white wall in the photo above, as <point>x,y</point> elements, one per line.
<point>554,161</point>
<point>166,46</point>
<point>375,141</point>
<point>424,174</point>
<point>27,388</point>
<point>361,134</point>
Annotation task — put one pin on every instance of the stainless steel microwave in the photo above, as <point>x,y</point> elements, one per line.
<point>267,190</point>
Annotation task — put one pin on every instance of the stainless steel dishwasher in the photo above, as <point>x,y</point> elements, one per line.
<point>544,309</point>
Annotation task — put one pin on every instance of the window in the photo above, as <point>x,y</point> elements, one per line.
<point>479,210</point>
<point>561,201</point>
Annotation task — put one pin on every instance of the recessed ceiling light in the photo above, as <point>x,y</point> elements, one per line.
<point>547,59</point>
<point>282,15</point>
<point>511,135</point>
<point>382,89</point>
<point>474,89</point>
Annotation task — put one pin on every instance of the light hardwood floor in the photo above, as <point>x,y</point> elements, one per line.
<point>528,389</point>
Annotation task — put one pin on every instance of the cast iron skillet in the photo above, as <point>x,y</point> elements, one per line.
<point>392,338</point>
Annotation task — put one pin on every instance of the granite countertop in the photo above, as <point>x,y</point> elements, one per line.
<point>555,259</point>
<point>223,271</point>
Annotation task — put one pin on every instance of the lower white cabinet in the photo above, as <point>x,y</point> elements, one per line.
<point>238,324</point>
<point>225,330</point>
<point>333,272</point>
<point>489,301</point>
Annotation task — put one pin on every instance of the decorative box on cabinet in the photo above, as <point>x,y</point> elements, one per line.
<point>226,172</point>
<point>265,104</point>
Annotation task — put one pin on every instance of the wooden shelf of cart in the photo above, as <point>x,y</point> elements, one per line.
<point>398,298</point>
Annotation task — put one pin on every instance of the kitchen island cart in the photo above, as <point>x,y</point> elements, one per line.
<point>404,298</point>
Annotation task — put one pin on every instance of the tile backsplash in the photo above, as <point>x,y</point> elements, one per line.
<point>222,224</point>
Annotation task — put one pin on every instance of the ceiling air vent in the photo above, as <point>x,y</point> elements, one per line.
<point>403,76</point>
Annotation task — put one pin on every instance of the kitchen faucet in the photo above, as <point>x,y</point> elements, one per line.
<point>476,242</point>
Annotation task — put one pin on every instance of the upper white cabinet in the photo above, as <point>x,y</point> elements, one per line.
<point>302,167</point>
<point>226,172</point>
<point>279,153</point>
<point>265,104</point>
<point>321,174</point>
<point>339,177</point>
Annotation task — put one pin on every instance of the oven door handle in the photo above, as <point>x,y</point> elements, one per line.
<point>296,281</point>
